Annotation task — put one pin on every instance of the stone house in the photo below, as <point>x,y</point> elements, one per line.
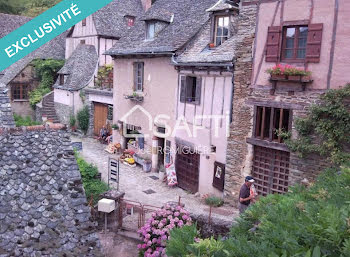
<point>20,77</point>
<point>310,35</point>
<point>179,45</point>
<point>98,32</point>
<point>43,208</point>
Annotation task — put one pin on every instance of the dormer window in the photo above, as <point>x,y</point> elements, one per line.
<point>130,21</point>
<point>222,24</point>
<point>83,22</point>
<point>61,79</point>
<point>151,27</point>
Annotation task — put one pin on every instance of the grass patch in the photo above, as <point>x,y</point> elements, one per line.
<point>93,186</point>
<point>24,121</point>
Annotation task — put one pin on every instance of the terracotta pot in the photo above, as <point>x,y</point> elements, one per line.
<point>278,77</point>
<point>294,77</point>
<point>211,45</point>
<point>305,78</point>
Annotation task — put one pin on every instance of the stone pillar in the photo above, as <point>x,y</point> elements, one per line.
<point>154,154</point>
<point>242,115</point>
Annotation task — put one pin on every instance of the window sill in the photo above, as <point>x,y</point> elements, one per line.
<point>20,100</point>
<point>267,144</point>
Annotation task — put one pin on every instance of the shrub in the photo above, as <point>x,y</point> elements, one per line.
<point>24,121</point>
<point>305,222</point>
<point>214,201</point>
<point>83,119</point>
<point>156,231</point>
<point>72,121</point>
<point>93,186</point>
<point>180,239</point>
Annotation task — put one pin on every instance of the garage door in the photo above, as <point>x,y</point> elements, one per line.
<point>100,117</point>
<point>270,170</point>
<point>187,171</point>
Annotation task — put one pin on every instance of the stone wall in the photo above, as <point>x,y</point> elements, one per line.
<point>63,112</point>
<point>241,125</point>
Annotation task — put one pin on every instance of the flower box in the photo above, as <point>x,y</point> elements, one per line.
<point>294,78</point>
<point>278,76</point>
<point>305,79</point>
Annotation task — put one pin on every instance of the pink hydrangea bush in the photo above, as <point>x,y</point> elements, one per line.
<point>156,231</point>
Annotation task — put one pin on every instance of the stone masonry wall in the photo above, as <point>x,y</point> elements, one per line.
<point>237,150</point>
<point>63,112</point>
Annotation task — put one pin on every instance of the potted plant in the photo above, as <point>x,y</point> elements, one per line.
<point>115,126</point>
<point>72,123</point>
<point>277,72</point>
<point>211,45</point>
<point>161,172</point>
<point>296,74</point>
<point>147,165</point>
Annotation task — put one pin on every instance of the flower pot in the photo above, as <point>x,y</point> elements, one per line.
<point>161,176</point>
<point>294,77</point>
<point>211,45</point>
<point>278,76</point>
<point>305,78</point>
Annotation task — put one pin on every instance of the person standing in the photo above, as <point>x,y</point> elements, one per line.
<point>245,196</point>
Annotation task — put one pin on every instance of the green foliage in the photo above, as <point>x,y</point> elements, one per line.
<point>83,117</point>
<point>181,239</point>
<point>24,121</point>
<point>103,74</point>
<point>326,130</point>
<point>31,8</point>
<point>214,201</point>
<point>93,186</point>
<point>72,121</point>
<point>46,70</point>
<point>306,222</point>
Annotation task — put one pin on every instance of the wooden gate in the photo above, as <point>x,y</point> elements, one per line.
<point>187,171</point>
<point>270,170</point>
<point>100,117</point>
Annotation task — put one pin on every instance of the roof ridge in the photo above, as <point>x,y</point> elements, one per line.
<point>46,127</point>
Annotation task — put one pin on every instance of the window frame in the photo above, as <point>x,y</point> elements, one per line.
<point>296,43</point>
<point>130,21</point>
<point>83,22</point>
<point>137,66</point>
<point>148,24</point>
<point>196,100</point>
<point>216,22</point>
<point>258,131</point>
<point>61,79</point>
<point>23,89</point>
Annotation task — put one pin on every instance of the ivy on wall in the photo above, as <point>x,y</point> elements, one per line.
<point>326,129</point>
<point>46,71</point>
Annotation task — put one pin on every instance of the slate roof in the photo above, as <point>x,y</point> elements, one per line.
<point>79,68</point>
<point>198,52</point>
<point>222,5</point>
<point>6,116</point>
<point>189,17</point>
<point>43,208</point>
<point>110,20</point>
<point>54,49</point>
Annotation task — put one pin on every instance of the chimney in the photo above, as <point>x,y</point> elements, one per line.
<point>146,4</point>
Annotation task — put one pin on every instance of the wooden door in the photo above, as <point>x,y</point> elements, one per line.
<point>187,171</point>
<point>270,170</point>
<point>100,117</point>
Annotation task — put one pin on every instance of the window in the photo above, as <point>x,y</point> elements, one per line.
<point>190,89</point>
<point>269,121</point>
<point>20,91</point>
<point>294,42</point>
<point>83,22</point>
<point>151,27</point>
<point>221,29</point>
<point>110,112</point>
<point>82,42</point>
<point>138,76</point>
<point>61,79</point>
<point>130,20</point>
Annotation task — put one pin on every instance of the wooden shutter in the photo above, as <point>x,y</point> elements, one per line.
<point>273,44</point>
<point>135,75</point>
<point>314,40</point>
<point>142,74</point>
<point>183,89</point>
<point>219,176</point>
<point>198,90</point>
